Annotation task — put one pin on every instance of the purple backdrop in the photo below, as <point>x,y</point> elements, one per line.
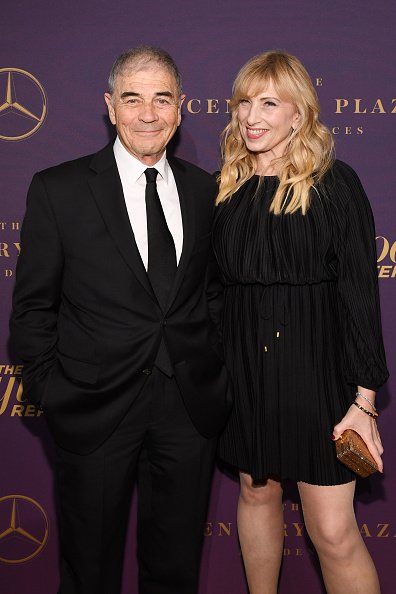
<point>54,63</point>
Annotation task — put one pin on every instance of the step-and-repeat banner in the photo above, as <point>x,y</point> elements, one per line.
<point>54,62</point>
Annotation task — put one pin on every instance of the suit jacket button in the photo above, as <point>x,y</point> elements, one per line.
<point>147,371</point>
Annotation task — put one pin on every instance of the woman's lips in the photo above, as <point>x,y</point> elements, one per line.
<point>254,133</point>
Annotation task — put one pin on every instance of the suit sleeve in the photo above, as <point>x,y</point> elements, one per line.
<point>37,292</point>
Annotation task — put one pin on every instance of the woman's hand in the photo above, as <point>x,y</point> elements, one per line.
<point>366,426</point>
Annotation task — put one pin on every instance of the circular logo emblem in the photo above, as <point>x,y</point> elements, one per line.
<point>23,104</point>
<point>23,528</point>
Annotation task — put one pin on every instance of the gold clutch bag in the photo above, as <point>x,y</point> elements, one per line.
<point>353,452</point>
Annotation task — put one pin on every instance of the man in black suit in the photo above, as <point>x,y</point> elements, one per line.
<point>114,317</point>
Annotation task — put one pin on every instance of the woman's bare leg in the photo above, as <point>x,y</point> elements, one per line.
<point>331,524</point>
<point>261,533</point>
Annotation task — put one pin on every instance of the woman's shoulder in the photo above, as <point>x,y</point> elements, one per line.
<point>343,189</point>
<point>339,170</point>
<point>342,180</point>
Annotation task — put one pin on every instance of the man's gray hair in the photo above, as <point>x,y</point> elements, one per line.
<point>139,57</point>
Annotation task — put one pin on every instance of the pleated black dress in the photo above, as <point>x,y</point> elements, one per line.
<point>301,324</point>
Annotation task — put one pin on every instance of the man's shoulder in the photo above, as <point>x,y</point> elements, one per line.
<point>77,167</point>
<point>188,167</point>
<point>192,170</point>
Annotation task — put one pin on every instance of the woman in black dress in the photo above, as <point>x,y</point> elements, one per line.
<point>294,238</point>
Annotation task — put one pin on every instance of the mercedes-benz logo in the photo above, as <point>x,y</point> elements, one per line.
<point>23,528</point>
<point>23,104</point>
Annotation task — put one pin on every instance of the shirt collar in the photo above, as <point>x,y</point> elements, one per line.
<point>135,168</point>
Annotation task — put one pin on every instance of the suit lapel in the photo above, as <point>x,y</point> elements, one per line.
<point>107,190</point>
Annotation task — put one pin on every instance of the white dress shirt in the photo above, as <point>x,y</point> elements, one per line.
<point>133,182</point>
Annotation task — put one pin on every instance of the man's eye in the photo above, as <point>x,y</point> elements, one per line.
<point>163,101</point>
<point>131,101</point>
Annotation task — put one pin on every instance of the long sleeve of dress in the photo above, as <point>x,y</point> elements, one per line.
<point>365,362</point>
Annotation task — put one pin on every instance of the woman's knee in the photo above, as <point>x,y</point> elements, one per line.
<point>268,493</point>
<point>335,538</point>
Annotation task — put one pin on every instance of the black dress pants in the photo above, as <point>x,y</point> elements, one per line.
<point>157,444</point>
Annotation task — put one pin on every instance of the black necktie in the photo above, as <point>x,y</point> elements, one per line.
<point>161,258</point>
<point>161,248</point>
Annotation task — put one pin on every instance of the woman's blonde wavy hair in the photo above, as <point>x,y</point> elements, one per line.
<point>310,150</point>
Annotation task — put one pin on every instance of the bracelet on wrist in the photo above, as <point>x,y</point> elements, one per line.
<point>367,400</point>
<point>374,415</point>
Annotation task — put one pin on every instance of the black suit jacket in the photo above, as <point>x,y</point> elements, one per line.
<point>85,320</point>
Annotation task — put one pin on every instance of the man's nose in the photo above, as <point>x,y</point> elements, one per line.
<point>148,113</point>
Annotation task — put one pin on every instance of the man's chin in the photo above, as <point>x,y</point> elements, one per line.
<point>150,156</point>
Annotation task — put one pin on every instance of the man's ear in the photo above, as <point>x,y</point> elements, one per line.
<point>181,101</point>
<point>109,102</point>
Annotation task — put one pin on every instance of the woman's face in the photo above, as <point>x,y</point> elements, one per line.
<point>266,122</point>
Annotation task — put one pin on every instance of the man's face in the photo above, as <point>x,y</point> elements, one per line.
<point>146,110</point>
